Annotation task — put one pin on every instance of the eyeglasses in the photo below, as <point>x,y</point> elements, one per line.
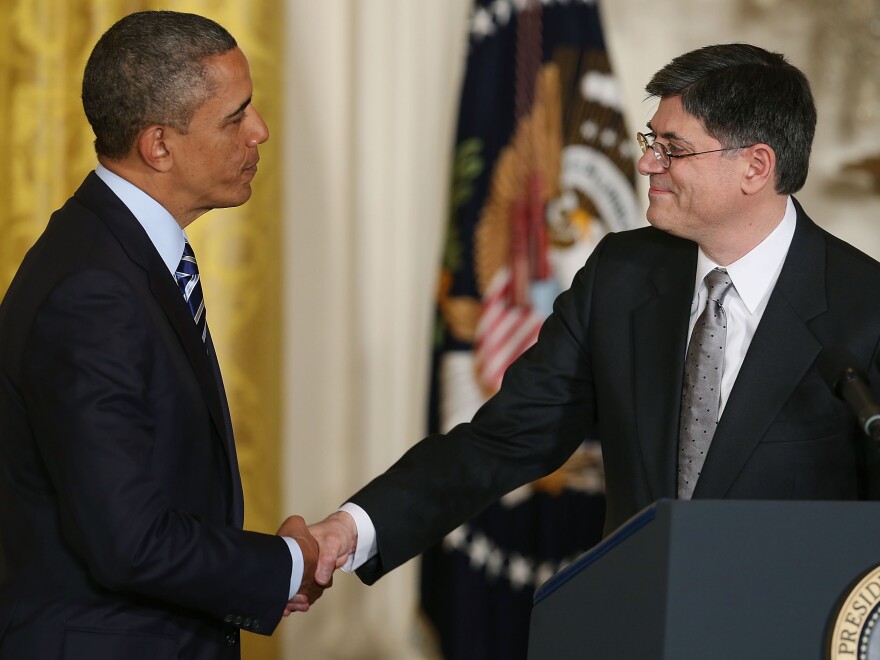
<point>662,154</point>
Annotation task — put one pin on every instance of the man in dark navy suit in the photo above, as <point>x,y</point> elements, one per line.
<point>120,498</point>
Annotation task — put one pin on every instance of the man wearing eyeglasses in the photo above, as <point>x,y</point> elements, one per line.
<point>689,347</point>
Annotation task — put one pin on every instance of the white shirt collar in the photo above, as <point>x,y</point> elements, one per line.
<point>755,274</point>
<point>164,232</point>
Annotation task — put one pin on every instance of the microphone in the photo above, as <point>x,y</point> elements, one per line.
<point>837,367</point>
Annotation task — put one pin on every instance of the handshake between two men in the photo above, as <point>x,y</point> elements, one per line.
<point>325,546</point>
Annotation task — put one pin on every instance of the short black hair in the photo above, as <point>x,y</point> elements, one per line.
<point>744,95</point>
<point>148,68</point>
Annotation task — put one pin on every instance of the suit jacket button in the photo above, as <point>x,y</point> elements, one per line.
<point>237,620</point>
<point>247,623</point>
<point>256,625</point>
<point>228,618</point>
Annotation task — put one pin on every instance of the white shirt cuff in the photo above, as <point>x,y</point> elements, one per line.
<point>296,571</point>
<point>367,548</point>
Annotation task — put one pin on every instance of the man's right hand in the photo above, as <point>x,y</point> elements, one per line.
<point>310,590</point>
<point>337,537</point>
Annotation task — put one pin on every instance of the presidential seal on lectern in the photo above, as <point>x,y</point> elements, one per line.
<point>855,633</point>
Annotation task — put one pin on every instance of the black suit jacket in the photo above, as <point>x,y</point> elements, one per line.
<point>120,498</point>
<point>609,364</point>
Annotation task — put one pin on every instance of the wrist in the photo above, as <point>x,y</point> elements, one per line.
<point>347,521</point>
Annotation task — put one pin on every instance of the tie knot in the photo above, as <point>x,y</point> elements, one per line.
<point>718,282</point>
<point>188,263</point>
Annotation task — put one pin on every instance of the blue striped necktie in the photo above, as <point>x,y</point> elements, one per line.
<point>187,277</point>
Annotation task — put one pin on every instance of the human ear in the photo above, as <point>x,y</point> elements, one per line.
<point>760,168</point>
<point>153,148</point>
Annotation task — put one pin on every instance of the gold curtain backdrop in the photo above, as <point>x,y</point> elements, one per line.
<point>44,45</point>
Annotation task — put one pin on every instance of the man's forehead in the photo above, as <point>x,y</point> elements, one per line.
<point>232,82</point>
<point>672,121</point>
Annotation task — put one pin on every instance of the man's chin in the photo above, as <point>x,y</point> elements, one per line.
<point>663,222</point>
<point>655,218</point>
<point>243,195</point>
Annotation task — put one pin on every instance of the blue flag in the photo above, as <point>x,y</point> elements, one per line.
<point>544,167</point>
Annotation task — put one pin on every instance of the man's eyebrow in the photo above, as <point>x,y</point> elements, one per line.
<point>240,109</point>
<point>670,135</point>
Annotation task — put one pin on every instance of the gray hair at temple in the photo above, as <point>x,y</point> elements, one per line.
<point>148,68</point>
<point>746,95</point>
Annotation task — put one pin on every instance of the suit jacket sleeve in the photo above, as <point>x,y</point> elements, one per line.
<point>87,368</point>
<point>543,411</point>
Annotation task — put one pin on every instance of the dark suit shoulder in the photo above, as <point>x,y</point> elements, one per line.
<point>646,242</point>
<point>81,233</point>
<point>824,262</point>
<point>76,241</point>
<point>845,255</point>
<point>637,255</point>
<point>839,254</point>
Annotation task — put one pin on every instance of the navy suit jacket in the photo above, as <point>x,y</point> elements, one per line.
<point>120,498</point>
<point>609,364</point>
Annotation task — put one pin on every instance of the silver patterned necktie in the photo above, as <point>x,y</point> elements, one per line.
<point>190,285</point>
<point>701,393</point>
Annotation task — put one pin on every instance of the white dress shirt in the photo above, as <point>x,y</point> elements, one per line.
<point>168,238</point>
<point>753,275</point>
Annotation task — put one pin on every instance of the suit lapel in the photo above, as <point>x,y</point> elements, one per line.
<point>660,333</point>
<point>782,351</point>
<point>134,240</point>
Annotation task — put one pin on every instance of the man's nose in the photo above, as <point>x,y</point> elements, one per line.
<point>648,163</point>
